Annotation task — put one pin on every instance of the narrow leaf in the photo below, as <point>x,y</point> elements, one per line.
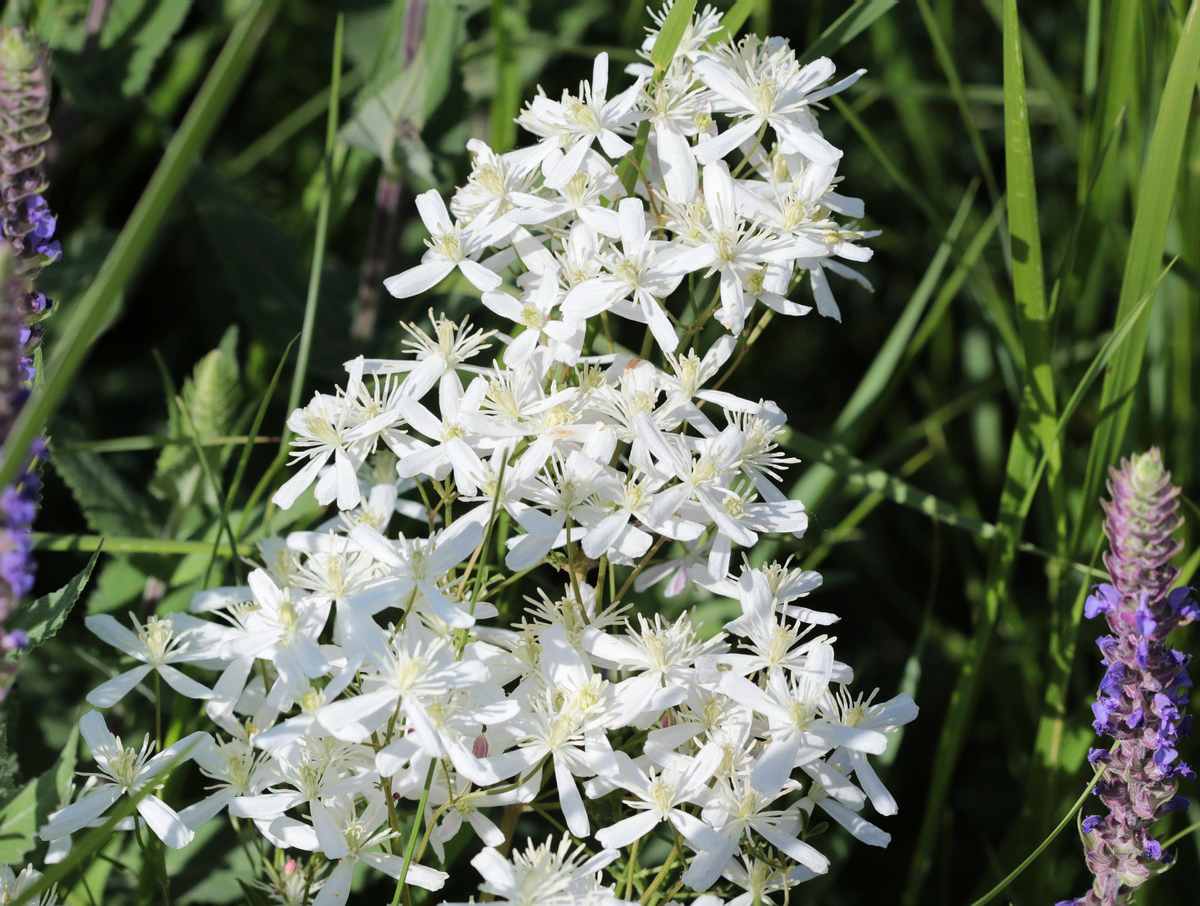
<point>671,33</point>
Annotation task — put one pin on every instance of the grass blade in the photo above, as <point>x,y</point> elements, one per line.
<point>846,27</point>
<point>1143,262</point>
<point>1036,426</point>
<point>94,311</point>
<point>671,33</point>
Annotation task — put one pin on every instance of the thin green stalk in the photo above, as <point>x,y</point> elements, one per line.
<point>318,258</point>
<point>410,846</point>
<point>1016,872</point>
<point>52,541</point>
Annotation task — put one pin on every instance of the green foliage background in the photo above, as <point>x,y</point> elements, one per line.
<point>1032,185</point>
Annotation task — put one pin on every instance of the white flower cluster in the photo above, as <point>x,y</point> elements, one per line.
<point>358,671</point>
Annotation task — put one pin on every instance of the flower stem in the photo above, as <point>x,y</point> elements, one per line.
<point>411,844</point>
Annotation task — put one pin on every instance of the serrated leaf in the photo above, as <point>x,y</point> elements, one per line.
<point>109,505</point>
<point>147,38</point>
<point>43,618</point>
<point>671,33</point>
<point>213,394</point>
<point>22,815</point>
<point>136,34</point>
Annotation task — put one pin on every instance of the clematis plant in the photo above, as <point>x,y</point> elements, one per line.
<point>590,453</point>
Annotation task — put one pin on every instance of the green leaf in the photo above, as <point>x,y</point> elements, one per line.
<point>109,505</point>
<point>210,400</point>
<point>671,33</point>
<point>22,815</point>
<point>43,618</point>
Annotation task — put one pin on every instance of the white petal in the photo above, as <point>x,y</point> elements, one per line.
<point>624,832</point>
<point>678,165</point>
<point>332,840</point>
<point>165,822</point>
<point>420,278</point>
<point>482,278</point>
<point>797,849</point>
<point>79,815</point>
<point>859,826</point>
<point>264,805</point>
<point>715,148</point>
<point>298,483</point>
<point>806,142</point>
<point>570,801</point>
<point>109,693</point>
<point>433,211</point>
<point>110,631</point>
<point>184,685</point>
<point>336,888</point>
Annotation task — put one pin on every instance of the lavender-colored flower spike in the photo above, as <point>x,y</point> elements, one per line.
<point>27,231</point>
<point>1145,686</point>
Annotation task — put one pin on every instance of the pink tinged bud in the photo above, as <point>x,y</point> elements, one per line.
<point>479,748</point>
<point>667,720</point>
<point>289,867</point>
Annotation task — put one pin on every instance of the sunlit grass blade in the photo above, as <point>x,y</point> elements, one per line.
<point>1035,427</point>
<point>92,313</point>
<point>671,33</point>
<point>506,102</point>
<point>734,19</point>
<point>867,477</point>
<point>1143,263</point>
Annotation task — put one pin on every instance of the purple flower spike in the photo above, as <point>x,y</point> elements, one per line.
<point>1144,686</point>
<point>26,245</point>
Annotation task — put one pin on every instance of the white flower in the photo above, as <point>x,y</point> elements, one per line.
<point>764,84</point>
<point>124,771</point>
<point>579,121</point>
<point>158,643</point>
<point>645,272</point>
<point>349,836</point>
<point>544,874</point>
<point>415,569</point>
<point>799,733</point>
<point>283,628</point>
<point>453,246</point>
<point>323,429</point>
<point>659,797</point>
<point>13,886</point>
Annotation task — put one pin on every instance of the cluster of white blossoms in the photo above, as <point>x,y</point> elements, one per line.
<point>369,707</point>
